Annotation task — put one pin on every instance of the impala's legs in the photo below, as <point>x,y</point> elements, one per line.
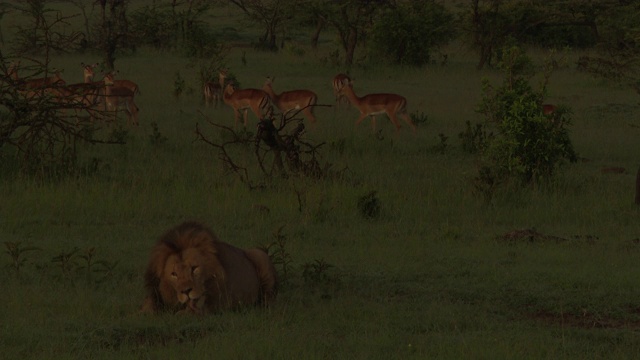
<point>394,120</point>
<point>237,116</point>
<point>407,119</point>
<point>309,115</point>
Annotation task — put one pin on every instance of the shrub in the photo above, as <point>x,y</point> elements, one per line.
<point>528,144</point>
<point>407,34</point>
<point>153,26</point>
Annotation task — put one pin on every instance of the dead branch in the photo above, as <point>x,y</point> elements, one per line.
<point>291,154</point>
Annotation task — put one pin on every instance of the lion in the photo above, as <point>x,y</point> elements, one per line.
<point>191,271</point>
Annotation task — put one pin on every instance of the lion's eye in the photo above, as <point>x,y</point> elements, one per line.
<point>194,269</point>
<point>174,274</point>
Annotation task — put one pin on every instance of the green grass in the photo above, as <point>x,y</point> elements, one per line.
<point>431,277</point>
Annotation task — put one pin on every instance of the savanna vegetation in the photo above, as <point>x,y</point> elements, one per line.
<point>506,226</point>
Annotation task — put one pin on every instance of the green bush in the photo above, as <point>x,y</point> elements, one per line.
<point>153,26</point>
<point>407,34</point>
<point>528,145</point>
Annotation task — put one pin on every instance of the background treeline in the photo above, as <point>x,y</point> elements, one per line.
<point>405,32</point>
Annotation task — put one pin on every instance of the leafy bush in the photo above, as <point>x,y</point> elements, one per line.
<point>407,34</point>
<point>154,27</point>
<point>528,144</point>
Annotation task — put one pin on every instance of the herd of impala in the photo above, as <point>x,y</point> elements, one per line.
<point>260,101</point>
<point>113,95</point>
<point>107,96</point>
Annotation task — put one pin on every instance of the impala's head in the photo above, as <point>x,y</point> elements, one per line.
<point>88,70</point>
<point>108,79</point>
<point>229,89</point>
<point>346,84</point>
<point>57,77</point>
<point>267,84</point>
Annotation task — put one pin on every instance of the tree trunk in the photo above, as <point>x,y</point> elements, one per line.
<point>638,188</point>
<point>316,34</point>
<point>350,46</point>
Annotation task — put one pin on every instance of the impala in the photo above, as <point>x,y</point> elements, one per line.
<point>245,99</point>
<point>120,98</point>
<point>548,109</point>
<point>87,72</point>
<point>213,90</point>
<point>339,81</point>
<point>123,83</point>
<point>33,84</point>
<point>33,87</point>
<point>292,100</point>
<point>80,96</point>
<point>374,104</point>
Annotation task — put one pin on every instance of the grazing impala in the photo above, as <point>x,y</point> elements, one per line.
<point>120,98</point>
<point>374,104</point>
<point>292,100</point>
<point>245,99</point>
<point>339,81</point>
<point>213,90</point>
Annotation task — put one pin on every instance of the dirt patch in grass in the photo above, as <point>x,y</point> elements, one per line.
<point>588,320</point>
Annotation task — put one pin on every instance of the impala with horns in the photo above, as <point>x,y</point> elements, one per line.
<point>339,81</point>
<point>374,104</point>
<point>213,90</point>
<point>245,99</point>
<point>116,98</point>
<point>293,100</point>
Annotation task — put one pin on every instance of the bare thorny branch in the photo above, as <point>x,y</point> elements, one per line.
<point>284,140</point>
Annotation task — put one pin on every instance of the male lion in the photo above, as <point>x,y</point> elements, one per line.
<point>190,270</point>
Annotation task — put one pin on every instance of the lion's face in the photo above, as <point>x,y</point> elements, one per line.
<point>187,274</point>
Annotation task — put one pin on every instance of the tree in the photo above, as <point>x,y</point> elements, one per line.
<point>618,47</point>
<point>352,20</point>
<point>407,34</point>
<point>270,14</point>
<point>492,24</point>
<point>82,6</point>
<point>114,29</point>
<point>41,34</point>
<point>40,116</point>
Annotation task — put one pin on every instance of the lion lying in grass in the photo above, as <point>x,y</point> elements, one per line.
<point>190,270</point>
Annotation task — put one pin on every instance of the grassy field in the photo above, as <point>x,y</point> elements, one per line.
<point>434,276</point>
